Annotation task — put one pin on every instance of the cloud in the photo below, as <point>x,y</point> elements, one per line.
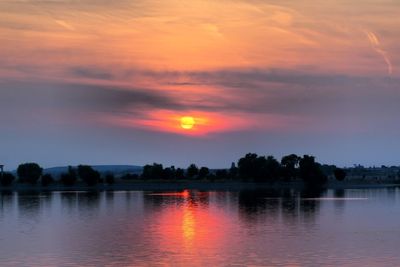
<point>251,91</point>
<point>376,45</point>
<point>65,25</point>
<point>82,98</point>
<point>91,73</point>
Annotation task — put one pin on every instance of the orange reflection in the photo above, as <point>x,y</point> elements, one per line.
<point>191,227</point>
<point>188,225</point>
<point>183,194</point>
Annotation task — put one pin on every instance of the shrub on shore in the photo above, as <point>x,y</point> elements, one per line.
<point>340,174</point>
<point>69,178</point>
<point>47,179</point>
<point>7,179</point>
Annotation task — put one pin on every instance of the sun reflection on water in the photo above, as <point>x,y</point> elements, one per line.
<point>188,225</point>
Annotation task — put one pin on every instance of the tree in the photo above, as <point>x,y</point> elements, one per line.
<point>47,179</point>
<point>69,178</point>
<point>203,172</point>
<point>29,172</point>
<point>154,171</point>
<point>272,169</point>
<point>88,175</point>
<point>233,171</point>
<point>169,173</point>
<point>250,166</point>
<point>7,179</point>
<point>311,172</point>
<point>340,174</point>
<point>180,174</point>
<point>289,166</point>
<point>192,171</point>
<point>258,168</point>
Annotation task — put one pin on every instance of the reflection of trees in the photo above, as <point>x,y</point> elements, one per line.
<point>286,203</point>
<point>109,199</point>
<point>339,204</point>
<point>255,202</point>
<point>157,200</point>
<point>309,205</point>
<point>69,200</point>
<point>88,201</point>
<point>6,200</point>
<point>29,204</point>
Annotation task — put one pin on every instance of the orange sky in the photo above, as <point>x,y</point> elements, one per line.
<point>235,65</point>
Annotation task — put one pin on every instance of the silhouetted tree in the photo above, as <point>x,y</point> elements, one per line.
<point>192,171</point>
<point>328,169</point>
<point>154,171</point>
<point>169,173</point>
<point>29,172</point>
<point>340,174</point>
<point>289,166</point>
<point>258,168</point>
<point>7,179</point>
<point>110,179</point>
<point>46,179</point>
<point>311,172</point>
<point>233,171</point>
<point>69,178</point>
<point>88,175</point>
<point>272,169</point>
<point>180,174</point>
<point>251,167</point>
<point>203,172</point>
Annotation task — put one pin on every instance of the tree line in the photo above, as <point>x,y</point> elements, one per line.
<point>250,168</point>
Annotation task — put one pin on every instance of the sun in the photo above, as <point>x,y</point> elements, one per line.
<point>187,122</point>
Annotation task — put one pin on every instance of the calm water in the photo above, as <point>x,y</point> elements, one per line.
<point>192,228</point>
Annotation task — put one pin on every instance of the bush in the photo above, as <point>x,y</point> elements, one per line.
<point>69,178</point>
<point>7,179</point>
<point>340,174</point>
<point>47,179</point>
<point>130,176</point>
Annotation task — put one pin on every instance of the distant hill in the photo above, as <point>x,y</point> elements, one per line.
<point>115,169</point>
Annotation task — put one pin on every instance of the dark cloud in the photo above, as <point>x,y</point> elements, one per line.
<point>235,78</point>
<point>275,91</point>
<point>84,98</point>
<point>92,73</point>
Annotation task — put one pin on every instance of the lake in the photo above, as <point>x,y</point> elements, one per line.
<point>192,228</point>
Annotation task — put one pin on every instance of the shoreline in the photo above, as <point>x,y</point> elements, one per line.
<point>195,185</point>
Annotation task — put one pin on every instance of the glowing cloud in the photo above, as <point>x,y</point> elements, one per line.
<point>376,45</point>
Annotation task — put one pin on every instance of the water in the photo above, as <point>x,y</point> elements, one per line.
<point>192,228</point>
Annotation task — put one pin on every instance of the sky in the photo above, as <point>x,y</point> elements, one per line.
<point>107,82</point>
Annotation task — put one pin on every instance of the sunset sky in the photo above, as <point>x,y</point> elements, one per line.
<point>107,82</point>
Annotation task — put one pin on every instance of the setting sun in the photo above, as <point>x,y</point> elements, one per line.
<point>187,122</point>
